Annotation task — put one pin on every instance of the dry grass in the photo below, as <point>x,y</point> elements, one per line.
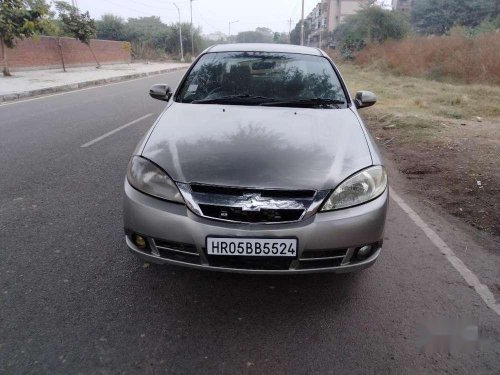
<point>448,58</point>
<point>432,131</point>
<point>421,105</point>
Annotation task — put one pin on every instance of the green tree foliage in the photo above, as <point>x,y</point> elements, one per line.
<point>295,33</point>
<point>149,36</point>
<point>78,25</point>
<point>369,25</point>
<point>485,27</point>
<point>19,19</point>
<point>280,38</point>
<point>439,16</point>
<point>55,28</point>
<point>260,35</point>
<point>110,27</point>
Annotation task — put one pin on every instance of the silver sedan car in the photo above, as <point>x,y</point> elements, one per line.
<point>259,163</point>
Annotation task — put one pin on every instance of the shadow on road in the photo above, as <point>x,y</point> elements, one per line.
<point>222,297</point>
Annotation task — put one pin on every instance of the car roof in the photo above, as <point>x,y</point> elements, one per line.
<point>265,47</point>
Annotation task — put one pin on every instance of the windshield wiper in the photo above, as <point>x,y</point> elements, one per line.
<point>304,102</point>
<point>232,99</point>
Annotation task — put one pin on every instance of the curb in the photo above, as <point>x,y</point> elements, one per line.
<point>79,85</point>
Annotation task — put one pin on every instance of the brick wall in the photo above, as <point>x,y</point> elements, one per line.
<point>43,53</point>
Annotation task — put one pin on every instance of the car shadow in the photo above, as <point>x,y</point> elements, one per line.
<point>226,320</point>
<point>213,293</point>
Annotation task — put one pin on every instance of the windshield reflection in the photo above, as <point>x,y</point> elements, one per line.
<point>258,78</point>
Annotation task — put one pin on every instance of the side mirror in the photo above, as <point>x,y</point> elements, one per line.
<point>160,91</point>
<point>365,99</point>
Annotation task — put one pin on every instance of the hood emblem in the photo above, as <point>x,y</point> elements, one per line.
<point>252,202</point>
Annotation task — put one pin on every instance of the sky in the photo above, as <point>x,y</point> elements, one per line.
<point>211,15</point>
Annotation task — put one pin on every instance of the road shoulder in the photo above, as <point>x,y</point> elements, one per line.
<point>477,249</point>
<point>28,84</point>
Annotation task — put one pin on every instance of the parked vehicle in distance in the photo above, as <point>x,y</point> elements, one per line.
<point>258,164</point>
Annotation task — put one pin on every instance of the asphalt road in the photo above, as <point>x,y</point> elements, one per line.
<point>73,300</point>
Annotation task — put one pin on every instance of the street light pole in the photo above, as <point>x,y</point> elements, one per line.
<point>230,22</point>
<point>302,26</point>
<point>180,32</point>
<point>192,31</point>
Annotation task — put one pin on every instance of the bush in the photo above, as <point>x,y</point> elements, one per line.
<point>370,25</point>
<point>439,16</point>
<point>455,57</point>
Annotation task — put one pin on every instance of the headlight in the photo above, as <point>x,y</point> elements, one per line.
<point>150,179</point>
<point>360,188</point>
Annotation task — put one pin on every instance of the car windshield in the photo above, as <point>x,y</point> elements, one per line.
<point>263,78</point>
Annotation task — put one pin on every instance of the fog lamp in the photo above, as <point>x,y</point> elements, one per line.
<point>364,252</point>
<point>140,241</point>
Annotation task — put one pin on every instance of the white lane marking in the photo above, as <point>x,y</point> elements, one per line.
<point>115,130</point>
<point>84,89</point>
<point>455,261</point>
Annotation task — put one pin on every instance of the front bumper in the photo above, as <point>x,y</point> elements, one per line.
<point>327,242</point>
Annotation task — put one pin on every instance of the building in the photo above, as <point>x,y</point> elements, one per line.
<point>327,15</point>
<point>402,5</point>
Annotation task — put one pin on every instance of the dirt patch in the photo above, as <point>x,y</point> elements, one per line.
<point>444,137</point>
<point>459,169</point>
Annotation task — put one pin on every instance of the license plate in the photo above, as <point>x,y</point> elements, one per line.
<point>257,247</point>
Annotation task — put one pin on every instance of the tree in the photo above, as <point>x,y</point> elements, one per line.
<point>280,38</point>
<point>295,33</point>
<point>149,37</point>
<point>369,25</point>
<point>110,27</point>
<point>260,35</point>
<point>19,19</point>
<point>54,28</point>
<point>77,24</point>
<point>439,16</point>
<point>147,34</point>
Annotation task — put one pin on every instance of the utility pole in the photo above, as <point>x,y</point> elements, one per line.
<point>230,22</point>
<point>290,30</point>
<point>192,31</point>
<point>180,32</point>
<point>302,26</point>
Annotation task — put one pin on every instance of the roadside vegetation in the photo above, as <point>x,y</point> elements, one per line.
<point>453,58</point>
<point>150,38</point>
<point>444,137</point>
<point>436,73</point>
<point>20,19</point>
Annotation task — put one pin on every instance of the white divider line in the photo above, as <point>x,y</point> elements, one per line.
<point>471,279</point>
<point>94,141</point>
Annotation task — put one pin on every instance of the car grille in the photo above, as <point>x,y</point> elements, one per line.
<point>251,205</point>
<point>262,216</point>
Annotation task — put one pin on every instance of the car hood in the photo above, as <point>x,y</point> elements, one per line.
<point>263,147</point>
